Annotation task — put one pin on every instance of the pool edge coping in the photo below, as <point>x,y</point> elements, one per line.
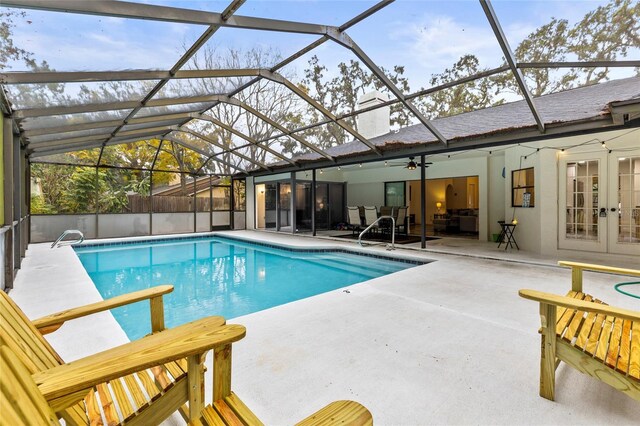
<point>323,247</point>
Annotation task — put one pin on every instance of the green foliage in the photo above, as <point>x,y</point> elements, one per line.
<point>340,95</point>
<point>75,190</point>
<point>604,34</point>
<point>39,206</point>
<point>463,97</point>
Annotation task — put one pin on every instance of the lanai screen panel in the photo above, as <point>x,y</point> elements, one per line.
<point>55,38</point>
<point>146,85</point>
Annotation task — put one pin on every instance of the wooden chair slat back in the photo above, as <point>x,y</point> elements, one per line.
<point>24,339</point>
<point>21,403</point>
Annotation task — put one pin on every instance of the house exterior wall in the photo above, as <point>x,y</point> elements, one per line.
<point>250,210</point>
<point>538,226</point>
<point>496,191</point>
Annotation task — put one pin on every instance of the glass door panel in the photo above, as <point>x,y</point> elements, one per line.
<point>582,200</point>
<point>336,204</point>
<point>624,211</point>
<point>303,206</point>
<point>582,197</point>
<point>284,207</point>
<point>322,206</point>
<point>270,203</point>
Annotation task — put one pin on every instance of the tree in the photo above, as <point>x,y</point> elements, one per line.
<point>462,98</point>
<point>340,95</point>
<point>271,99</point>
<point>8,50</point>
<point>605,34</point>
<point>548,43</point>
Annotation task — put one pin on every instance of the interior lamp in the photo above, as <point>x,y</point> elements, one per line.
<point>514,221</point>
<point>438,206</point>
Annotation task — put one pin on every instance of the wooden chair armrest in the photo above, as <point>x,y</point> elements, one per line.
<point>571,303</point>
<point>600,268</point>
<point>194,338</point>
<point>52,322</point>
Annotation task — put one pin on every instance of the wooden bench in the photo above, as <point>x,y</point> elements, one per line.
<point>589,335</point>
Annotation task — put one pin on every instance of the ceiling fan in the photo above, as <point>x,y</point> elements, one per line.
<point>410,165</point>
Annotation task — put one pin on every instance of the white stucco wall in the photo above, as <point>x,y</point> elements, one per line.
<point>496,192</point>
<point>537,229</point>
<point>251,204</point>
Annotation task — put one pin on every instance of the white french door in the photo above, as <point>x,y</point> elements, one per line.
<point>624,203</point>
<point>599,202</point>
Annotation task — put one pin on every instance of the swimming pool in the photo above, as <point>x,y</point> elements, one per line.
<point>220,276</point>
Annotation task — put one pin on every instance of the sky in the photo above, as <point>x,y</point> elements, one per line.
<point>424,36</point>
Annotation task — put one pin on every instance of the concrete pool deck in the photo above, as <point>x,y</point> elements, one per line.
<point>449,342</point>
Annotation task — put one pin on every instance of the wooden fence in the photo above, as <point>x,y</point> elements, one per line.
<point>166,204</point>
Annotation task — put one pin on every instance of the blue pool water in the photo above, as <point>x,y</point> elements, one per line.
<point>217,276</point>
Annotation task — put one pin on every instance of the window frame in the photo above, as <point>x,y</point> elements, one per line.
<point>525,187</point>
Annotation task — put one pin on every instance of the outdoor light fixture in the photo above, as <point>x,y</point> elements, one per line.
<point>386,163</point>
<point>411,165</point>
<point>360,165</point>
<point>321,171</point>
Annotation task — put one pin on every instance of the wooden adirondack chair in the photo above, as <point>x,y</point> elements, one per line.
<point>596,339</point>
<point>163,370</point>
<point>22,402</point>
<point>32,395</point>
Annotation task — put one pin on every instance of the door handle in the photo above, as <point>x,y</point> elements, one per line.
<point>603,212</point>
<point>613,209</point>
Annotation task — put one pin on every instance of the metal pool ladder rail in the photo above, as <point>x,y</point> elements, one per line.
<point>393,231</point>
<point>59,243</point>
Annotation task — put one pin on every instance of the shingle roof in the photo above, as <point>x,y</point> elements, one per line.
<point>584,103</point>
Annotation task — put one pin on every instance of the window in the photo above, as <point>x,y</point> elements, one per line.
<point>394,194</point>
<point>522,190</point>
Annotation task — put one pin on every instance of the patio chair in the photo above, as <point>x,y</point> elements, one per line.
<point>23,397</point>
<point>401,219</point>
<point>355,224</point>
<point>370,216</point>
<point>386,210</point>
<point>148,379</point>
<point>596,339</point>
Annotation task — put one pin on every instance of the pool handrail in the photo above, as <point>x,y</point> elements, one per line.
<point>393,231</point>
<point>59,241</point>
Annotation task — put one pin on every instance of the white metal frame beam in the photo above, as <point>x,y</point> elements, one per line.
<point>511,60</point>
<point>21,114</point>
<point>131,10</point>
<point>343,39</point>
<point>219,145</point>
<point>278,78</point>
<point>241,135</point>
<point>44,77</point>
<point>203,153</point>
<point>102,124</point>
<point>210,31</point>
